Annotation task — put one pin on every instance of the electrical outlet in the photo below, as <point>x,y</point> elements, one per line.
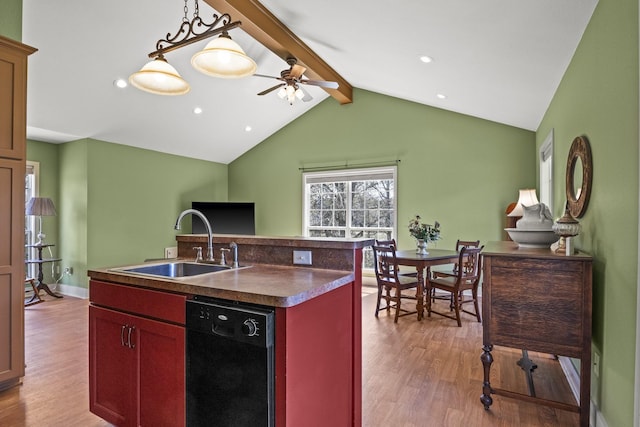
<point>302,257</point>
<point>171,252</point>
<point>596,364</point>
<point>68,270</point>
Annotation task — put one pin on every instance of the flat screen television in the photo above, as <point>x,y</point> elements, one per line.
<point>225,217</point>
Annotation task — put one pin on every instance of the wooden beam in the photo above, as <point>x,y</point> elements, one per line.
<point>268,30</point>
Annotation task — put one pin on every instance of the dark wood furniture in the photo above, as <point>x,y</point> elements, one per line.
<point>420,262</point>
<point>454,271</point>
<point>40,261</point>
<point>467,278</point>
<point>35,299</point>
<point>537,300</point>
<point>389,280</point>
<point>13,153</point>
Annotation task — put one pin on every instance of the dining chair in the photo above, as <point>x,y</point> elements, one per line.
<point>393,242</point>
<point>454,271</point>
<point>466,278</point>
<point>391,284</point>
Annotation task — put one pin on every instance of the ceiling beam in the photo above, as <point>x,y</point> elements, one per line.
<point>269,31</point>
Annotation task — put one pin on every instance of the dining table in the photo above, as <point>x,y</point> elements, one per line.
<point>422,262</point>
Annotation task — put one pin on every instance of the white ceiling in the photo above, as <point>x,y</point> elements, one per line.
<point>500,60</point>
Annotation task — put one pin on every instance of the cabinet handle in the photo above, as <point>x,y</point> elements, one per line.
<point>122,335</point>
<point>129,343</point>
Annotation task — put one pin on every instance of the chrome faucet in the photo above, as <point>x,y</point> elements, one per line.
<point>206,224</point>
<point>234,248</point>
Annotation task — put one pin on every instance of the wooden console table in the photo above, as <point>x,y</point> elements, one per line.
<point>536,300</point>
<point>41,285</point>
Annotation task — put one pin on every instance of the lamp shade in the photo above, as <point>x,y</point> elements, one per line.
<point>160,78</point>
<point>222,57</point>
<point>40,206</point>
<point>527,198</point>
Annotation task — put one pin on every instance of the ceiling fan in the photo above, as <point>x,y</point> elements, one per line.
<point>291,80</point>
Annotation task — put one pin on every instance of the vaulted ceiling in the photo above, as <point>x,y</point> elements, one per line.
<point>500,60</point>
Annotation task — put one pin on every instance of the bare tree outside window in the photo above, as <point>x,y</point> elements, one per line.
<point>351,204</point>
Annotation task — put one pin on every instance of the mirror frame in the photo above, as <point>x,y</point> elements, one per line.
<point>580,149</point>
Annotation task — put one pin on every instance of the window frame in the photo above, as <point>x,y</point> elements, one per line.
<point>349,176</point>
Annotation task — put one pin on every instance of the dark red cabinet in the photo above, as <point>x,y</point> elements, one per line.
<point>136,367</point>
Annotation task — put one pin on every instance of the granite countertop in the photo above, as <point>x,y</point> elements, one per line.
<point>272,285</point>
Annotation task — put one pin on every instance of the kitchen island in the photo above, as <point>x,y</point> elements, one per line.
<point>139,322</point>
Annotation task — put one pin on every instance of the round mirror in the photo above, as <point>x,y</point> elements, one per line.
<point>579,171</point>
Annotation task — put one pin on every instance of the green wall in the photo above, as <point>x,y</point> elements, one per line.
<point>459,170</point>
<point>11,19</point>
<point>598,97</point>
<point>118,204</point>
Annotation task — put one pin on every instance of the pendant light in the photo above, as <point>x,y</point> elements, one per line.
<point>160,78</point>
<point>221,57</point>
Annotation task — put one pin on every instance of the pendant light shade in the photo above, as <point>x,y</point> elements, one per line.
<point>160,78</point>
<point>222,57</point>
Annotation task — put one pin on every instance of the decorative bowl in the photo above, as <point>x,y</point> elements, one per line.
<point>532,238</point>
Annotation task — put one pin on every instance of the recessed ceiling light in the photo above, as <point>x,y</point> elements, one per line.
<point>121,83</point>
<point>441,96</point>
<point>197,110</point>
<point>426,59</point>
<point>247,128</point>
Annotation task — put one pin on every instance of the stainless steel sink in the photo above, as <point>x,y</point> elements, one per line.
<point>176,269</point>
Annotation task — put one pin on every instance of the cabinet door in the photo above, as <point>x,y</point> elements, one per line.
<point>112,367</point>
<point>161,373</point>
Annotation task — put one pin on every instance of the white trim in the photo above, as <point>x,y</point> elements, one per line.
<point>596,419</point>
<point>546,161</point>
<point>73,291</point>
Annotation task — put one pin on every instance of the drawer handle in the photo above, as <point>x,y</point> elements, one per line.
<point>129,343</point>
<point>122,335</point>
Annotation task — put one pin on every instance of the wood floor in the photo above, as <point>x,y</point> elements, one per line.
<point>418,374</point>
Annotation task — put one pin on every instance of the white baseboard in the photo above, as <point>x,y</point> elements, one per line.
<point>73,291</point>
<point>596,419</point>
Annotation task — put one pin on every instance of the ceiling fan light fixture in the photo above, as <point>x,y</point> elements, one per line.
<point>282,93</point>
<point>299,93</point>
<point>222,57</point>
<point>160,78</point>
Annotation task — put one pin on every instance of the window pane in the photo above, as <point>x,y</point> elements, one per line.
<point>357,218</point>
<point>314,218</point>
<point>357,201</point>
<point>371,218</point>
<point>327,218</point>
<point>340,218</point>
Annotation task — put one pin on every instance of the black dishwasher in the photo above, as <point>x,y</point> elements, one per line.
<point>230,364</point>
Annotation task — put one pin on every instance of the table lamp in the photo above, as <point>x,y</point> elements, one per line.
<point>40,206</point>
<point>527,197</point>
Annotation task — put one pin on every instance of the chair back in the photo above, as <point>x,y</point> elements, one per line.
<point>464,244</point>
<point>385,265</point>
<point>471,263</point>
<point>391,242</point>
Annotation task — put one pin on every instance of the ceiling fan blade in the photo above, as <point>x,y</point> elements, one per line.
<point>297,71</point>
<point>271,89</point>
<point>307,96</point>
<point>321,83</point>
<point>268,77</point>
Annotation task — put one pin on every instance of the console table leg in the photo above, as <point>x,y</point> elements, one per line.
<point>44,287</point>
<point>487,360</point>
<point>528,366</point>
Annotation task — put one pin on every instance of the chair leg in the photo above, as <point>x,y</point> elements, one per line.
<point>474,292</point>
<point>398,299</point>
<point>379,298</point>
<point>456,307</point>
<point>430,294</point>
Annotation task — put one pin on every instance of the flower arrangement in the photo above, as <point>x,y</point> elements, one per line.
<point>421,231</point>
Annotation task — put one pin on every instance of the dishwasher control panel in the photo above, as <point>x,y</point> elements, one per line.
<point>239,322</point>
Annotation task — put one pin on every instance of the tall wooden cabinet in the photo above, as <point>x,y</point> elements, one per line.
<point>13,111</point>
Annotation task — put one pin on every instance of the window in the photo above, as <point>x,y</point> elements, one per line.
<point>30,232</point>
<point>357,203</point>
